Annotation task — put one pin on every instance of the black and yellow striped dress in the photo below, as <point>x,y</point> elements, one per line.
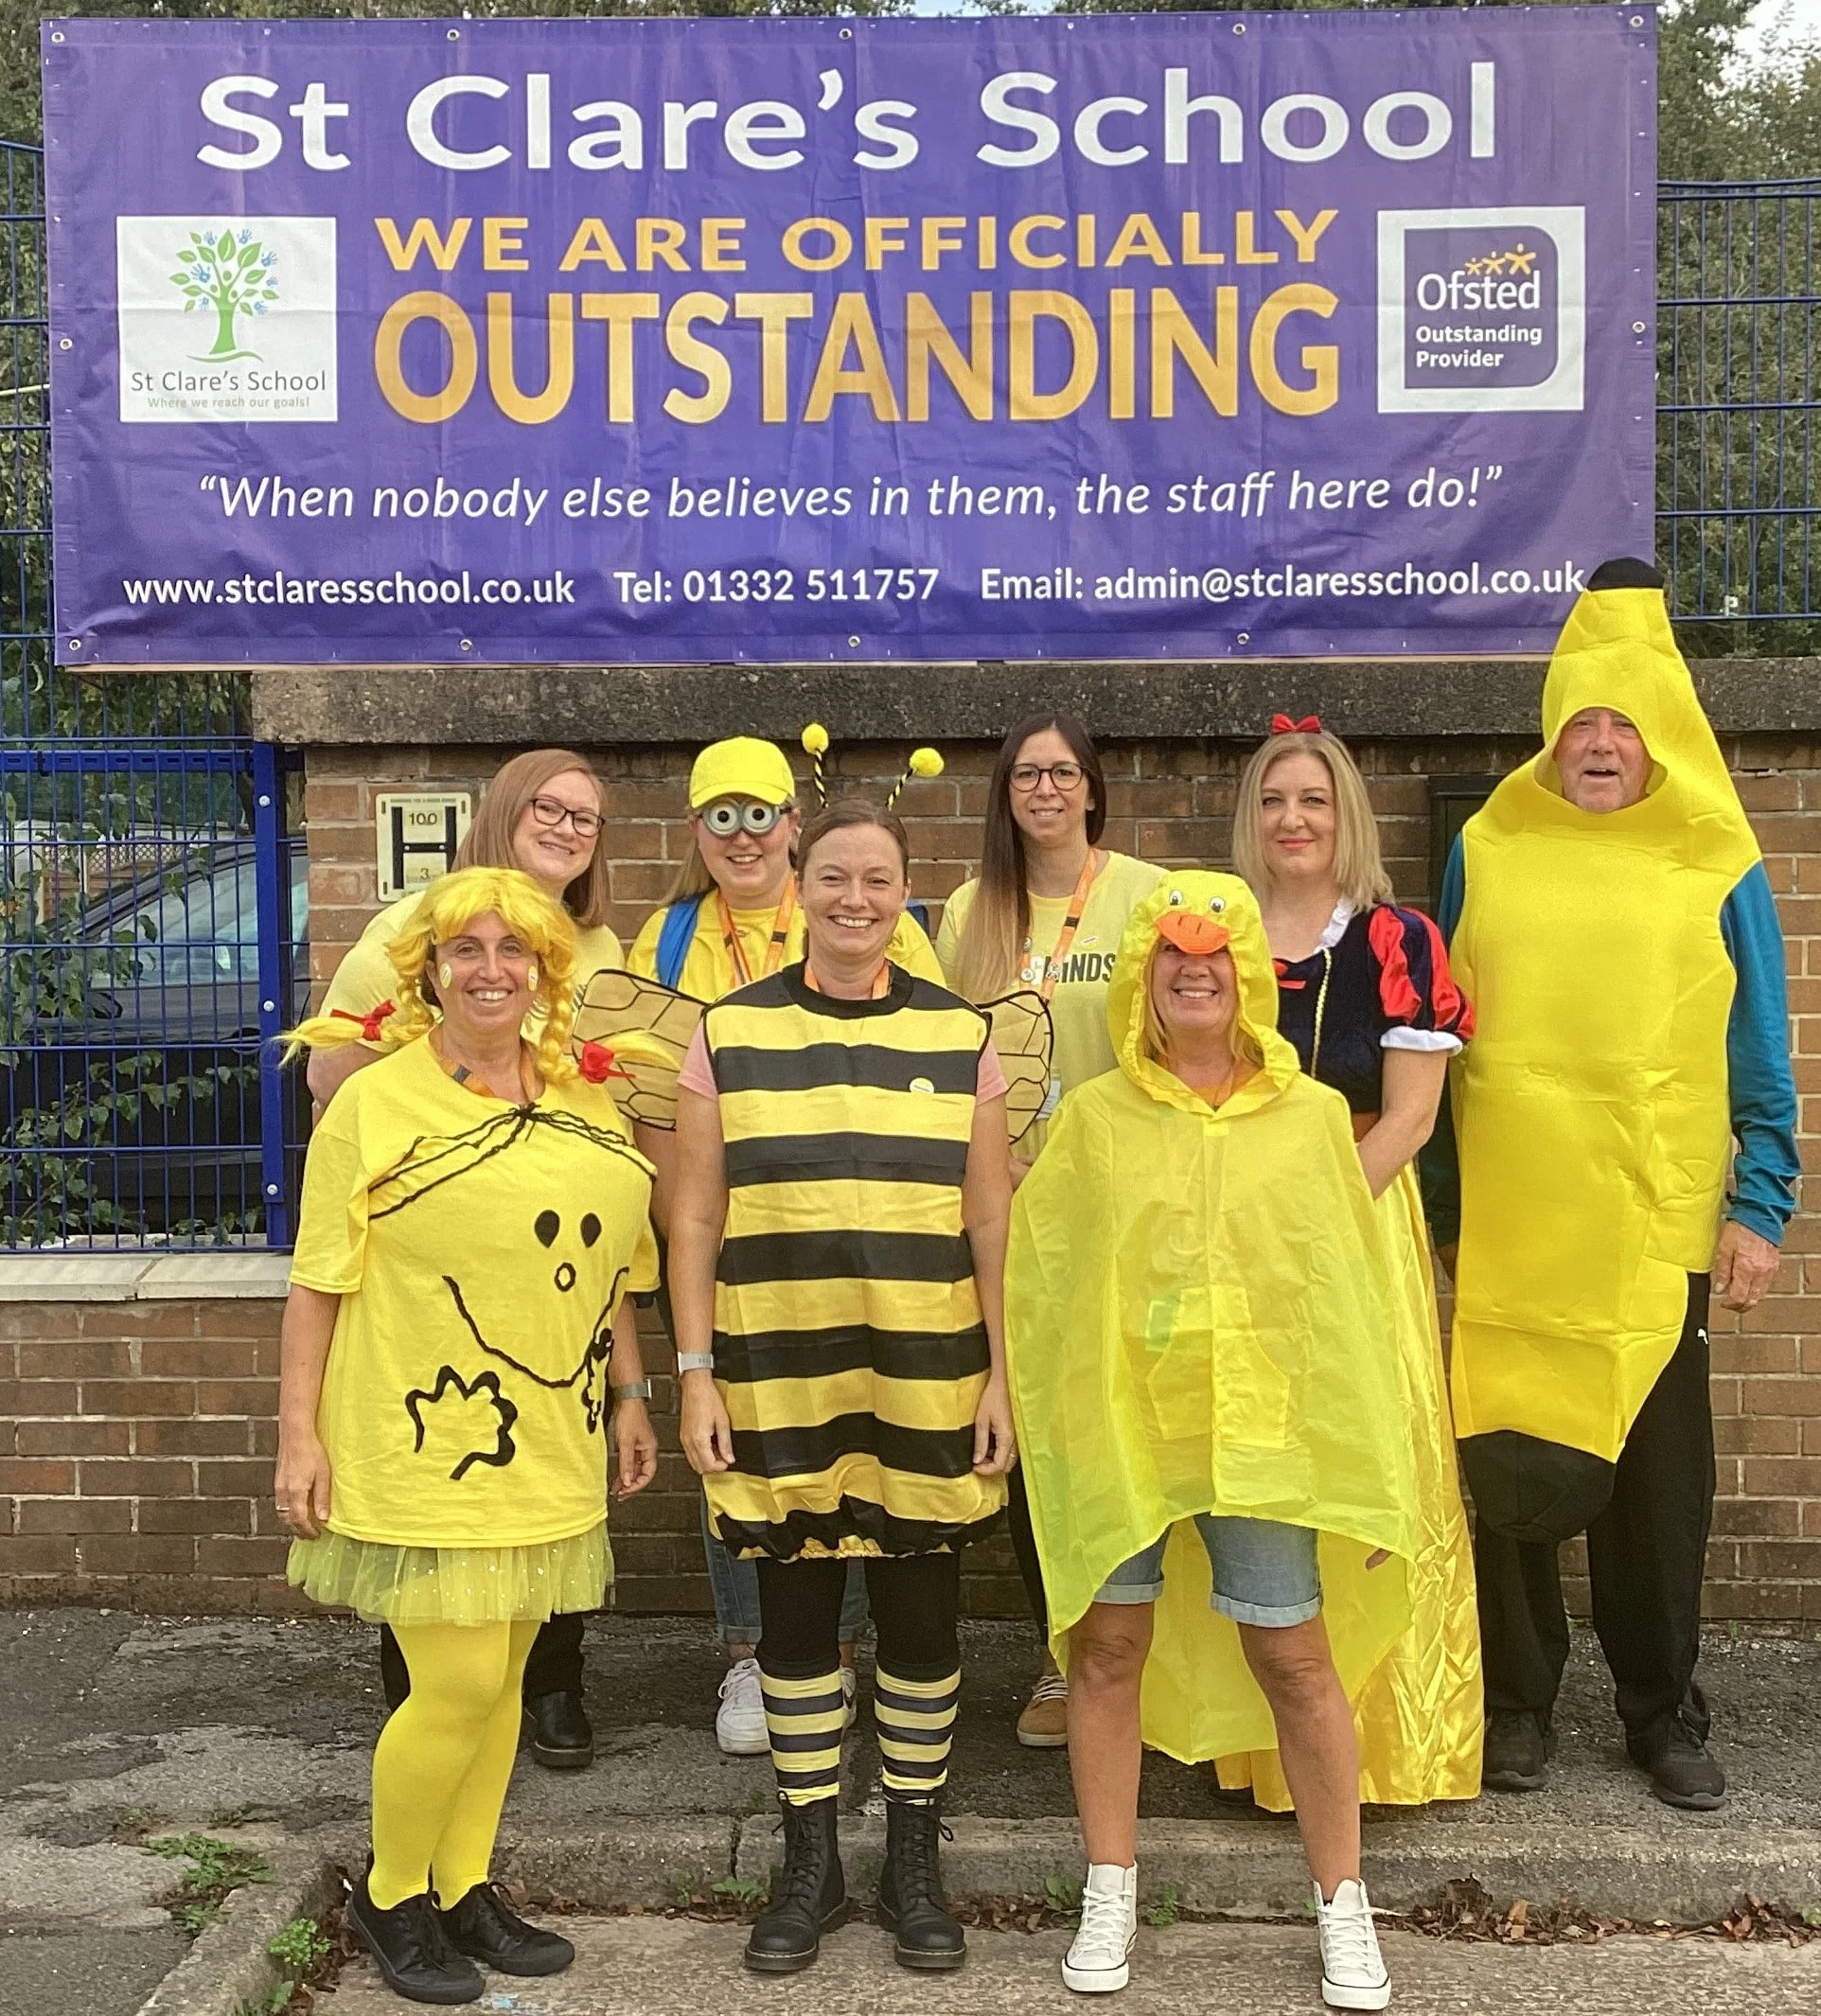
<point>848,1342</point>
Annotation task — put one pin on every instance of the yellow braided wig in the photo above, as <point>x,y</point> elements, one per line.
<point>447,907</point>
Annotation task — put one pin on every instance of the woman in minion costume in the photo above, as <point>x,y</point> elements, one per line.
<point>1209,1395</point>
<point>474,1217</point>
<point>837,1247</point>
<point>1364,994</point>
<point>732,918</point>
<point>1611,915</point>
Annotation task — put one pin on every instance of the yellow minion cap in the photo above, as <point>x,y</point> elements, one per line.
<point>742,766</point>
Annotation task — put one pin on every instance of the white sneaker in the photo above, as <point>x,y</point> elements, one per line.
<point>1353,1969</point>
<point>739,1721</point>
<point>850,1704</point>
<point>1097,1960</point>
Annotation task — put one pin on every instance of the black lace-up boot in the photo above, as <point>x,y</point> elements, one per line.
<point>910,1900</point>
<point>485,1927</point>
<point>411,1950</point>
<point>809,1898</point>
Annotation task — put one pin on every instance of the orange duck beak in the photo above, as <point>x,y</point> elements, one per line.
<point>1192,932</point>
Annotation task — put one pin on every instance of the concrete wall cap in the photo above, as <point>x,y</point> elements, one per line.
<point>65,1277</point>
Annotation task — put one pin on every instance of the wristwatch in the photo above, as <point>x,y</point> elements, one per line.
<point>694,1361</point>
<point>633,1390</point>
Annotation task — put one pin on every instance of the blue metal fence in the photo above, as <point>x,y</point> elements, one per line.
<point>152,905</point>
<point>153,902</point>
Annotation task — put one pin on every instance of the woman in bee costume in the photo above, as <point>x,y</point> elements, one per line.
<point>837,1245</point>
<point>1209,1398</point>
<point>473,1218</point>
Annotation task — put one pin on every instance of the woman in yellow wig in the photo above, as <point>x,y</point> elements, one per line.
<point>732,918</point>
<point>474,1219</point>
<point>1209,1398</point>
<point>1364,994</point>
<point>542,813</point>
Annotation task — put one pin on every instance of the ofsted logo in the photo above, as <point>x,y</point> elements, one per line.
<point>1482,310</point>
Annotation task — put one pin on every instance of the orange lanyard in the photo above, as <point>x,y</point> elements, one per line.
<point>773,952</point>
<point>881,980</point>
<point>468,1083</point>
<point>1077,903</point>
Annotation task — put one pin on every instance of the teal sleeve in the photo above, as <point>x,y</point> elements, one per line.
<point>1439,1163</point>
<point>1760,1083</point>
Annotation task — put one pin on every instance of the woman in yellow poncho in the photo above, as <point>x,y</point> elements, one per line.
<point>1364,994</point>
<point>1207,1391</point>
<point>474,1219</point>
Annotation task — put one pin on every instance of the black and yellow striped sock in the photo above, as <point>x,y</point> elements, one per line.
<point>917,1726</point>
<point>803,1719</point>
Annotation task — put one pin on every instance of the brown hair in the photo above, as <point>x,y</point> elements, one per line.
<point>1359,866</point>
<point>992,939</point>
<point>487,842</point>
<point>851,812</point>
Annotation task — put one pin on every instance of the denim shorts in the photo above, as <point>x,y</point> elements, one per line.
<point>1265,1573</point>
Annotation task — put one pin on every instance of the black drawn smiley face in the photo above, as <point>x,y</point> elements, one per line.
<point>548,1229</point>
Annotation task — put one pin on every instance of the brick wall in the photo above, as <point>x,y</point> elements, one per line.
<point>134,1439</point>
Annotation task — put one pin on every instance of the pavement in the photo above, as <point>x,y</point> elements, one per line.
<point>646,1967</point>
<point>259,1731</point>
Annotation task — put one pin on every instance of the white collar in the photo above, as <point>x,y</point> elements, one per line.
<point>1336,928</point>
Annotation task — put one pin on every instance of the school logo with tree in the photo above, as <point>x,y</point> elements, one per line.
<point>234,276</point>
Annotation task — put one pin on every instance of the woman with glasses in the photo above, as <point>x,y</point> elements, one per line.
<point>732,918</point>
<point>541,814</point>
<point>1047,912</point>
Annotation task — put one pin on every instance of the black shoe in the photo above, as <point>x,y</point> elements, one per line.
<point>910,1900</point>
<point>487,1929</point>
<point>1682,1772</point>
<point>411,1950</point>
<point>809,1896</point>
<point>562,1738</point>
<point>1518,1748</point>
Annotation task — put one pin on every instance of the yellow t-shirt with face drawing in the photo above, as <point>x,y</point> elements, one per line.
<point>479,1250</point>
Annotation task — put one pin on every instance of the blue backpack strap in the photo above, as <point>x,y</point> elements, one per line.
<point>676,934</point>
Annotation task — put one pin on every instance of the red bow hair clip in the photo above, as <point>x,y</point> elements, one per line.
<point>1282,725</point>
<point>596,1065</point>
<point>370,1023</point>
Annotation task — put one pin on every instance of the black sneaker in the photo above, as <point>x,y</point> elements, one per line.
<point>411,1950</point>
<point>562,1738</point>
<point>1518,1749</point>
<point>1682,1773</point>
<point>485,1928</point>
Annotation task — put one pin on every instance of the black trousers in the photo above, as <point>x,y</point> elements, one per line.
<point>915,1601</point>
<point>1646,1554</point>
<point>554,1666</point>
<point>1024,1544</point>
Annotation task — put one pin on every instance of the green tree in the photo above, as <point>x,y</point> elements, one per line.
<point>233,275</point>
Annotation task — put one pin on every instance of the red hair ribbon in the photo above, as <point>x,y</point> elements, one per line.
<point>596,1063</point>
<point>370,1023</point>
<point>1282,725</point>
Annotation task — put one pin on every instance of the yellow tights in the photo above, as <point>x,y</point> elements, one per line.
<point>444,1759</point>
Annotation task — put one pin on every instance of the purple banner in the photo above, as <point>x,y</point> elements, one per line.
<point>689,341</point>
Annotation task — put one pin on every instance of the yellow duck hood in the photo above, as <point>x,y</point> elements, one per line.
<point>1231,907</point>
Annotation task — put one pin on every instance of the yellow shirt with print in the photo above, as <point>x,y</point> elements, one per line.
<point>1078,1006</point>
<point>364,977</point>
<point>479,1250</point>
<point>708,967</point>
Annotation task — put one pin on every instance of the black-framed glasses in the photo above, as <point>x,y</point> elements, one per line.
<point>726,817</point>
<point>1065,776</point>
<point>552,812</point>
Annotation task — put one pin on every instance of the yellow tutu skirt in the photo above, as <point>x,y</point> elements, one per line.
<point>388,1585</point>
<point>1421,1716</point>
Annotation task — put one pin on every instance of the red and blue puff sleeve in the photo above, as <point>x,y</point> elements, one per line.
<point>1420,1006</point>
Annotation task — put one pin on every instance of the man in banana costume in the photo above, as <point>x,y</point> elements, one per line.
<point>1610,916</point>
